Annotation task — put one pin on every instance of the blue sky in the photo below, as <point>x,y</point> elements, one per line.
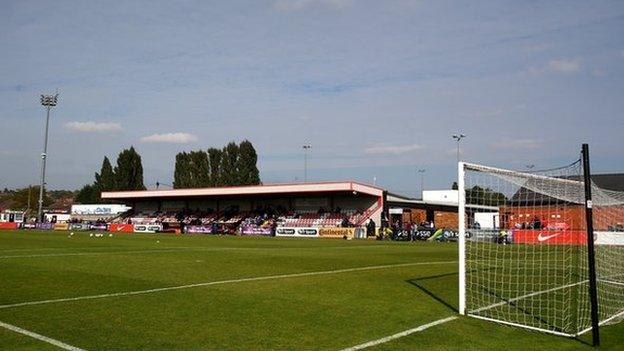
<point>376,87</point>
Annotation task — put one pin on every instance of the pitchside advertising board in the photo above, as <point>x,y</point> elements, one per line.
<point>40,226</point>
<point>61,226</point>
<point>79,226</point>
<point>198,229</point>
<point>147,228</point>
<point>255,230</point>
<point>8,225</point>
<point>121,228</point>
<point>99,210</point>
<point>302,232</point>
<point>565,237</point>
<point>337,233</point>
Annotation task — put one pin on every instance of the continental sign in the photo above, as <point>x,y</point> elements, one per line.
<point>338,233</point>
<point>61,226</point>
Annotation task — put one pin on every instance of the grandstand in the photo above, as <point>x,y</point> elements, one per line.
<point>254,208</point>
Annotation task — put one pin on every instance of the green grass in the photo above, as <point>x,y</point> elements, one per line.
<point>326,312</point>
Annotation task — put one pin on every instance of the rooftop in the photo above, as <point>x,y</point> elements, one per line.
<point>266,189</point>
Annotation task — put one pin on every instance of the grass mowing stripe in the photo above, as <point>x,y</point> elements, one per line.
<point>99,253</point>
<point>94,253</point>
<point>219,282</point>
<point>399,335</point>
<point>178,249</point>
<point>43,338</point>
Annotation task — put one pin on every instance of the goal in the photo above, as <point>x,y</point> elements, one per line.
<point>541,250</point>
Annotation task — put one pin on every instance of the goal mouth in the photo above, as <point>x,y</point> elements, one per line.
<point>525,253</point>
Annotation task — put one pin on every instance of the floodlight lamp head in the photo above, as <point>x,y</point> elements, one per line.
<point>49,100</point>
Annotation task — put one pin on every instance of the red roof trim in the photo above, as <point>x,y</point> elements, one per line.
<point>350,186</point>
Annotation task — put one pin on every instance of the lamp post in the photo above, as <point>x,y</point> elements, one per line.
<point>306,149</point>
<point>458,137</point>
<point>422,180</point>
<point>47,101</point>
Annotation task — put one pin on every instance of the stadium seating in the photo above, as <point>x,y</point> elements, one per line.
<point>232,217</point>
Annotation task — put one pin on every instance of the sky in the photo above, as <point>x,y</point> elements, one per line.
<point>376,87</point>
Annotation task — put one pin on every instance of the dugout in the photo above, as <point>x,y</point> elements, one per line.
<point>441,211</point>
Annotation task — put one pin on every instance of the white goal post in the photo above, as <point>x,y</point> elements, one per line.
<point>533,267</point>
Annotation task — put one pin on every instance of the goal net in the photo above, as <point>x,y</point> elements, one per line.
<point>524,252</point>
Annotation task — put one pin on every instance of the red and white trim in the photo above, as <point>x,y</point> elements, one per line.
<point>273,189</point>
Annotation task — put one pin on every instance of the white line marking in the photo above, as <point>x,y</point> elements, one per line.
<point>219,282</point>
<point>33,335</point>
<point>506,302</point>
<point>610,282</point>
<point>548,331</point>
<point>400,335</point>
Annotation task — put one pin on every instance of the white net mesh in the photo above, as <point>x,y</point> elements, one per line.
<point>529,266</point>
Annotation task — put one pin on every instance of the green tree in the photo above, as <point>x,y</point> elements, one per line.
<point>129,171</point>
<point>105,180</point>
<point>229,161</point>
<point>181,171</point>
<point>200,170</point>
<point>89,194</point>
<point>20,198</point>
<point>191,170</point>
<point>214,158</point>
<point>484,196</point>
<point>247,168</point>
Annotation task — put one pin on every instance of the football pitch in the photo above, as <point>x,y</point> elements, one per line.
<point>166,292</point>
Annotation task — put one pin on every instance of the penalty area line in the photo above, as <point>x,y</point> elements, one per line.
<point>40,337</point>
<point>229,281</point>
<point>399,335</point>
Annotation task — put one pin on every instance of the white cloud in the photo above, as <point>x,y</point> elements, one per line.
<point>393,150</point>
<point>565,65</point>
<point>174,138</point>
<point>297,5</point>
<point>516,144</point>
<point>93,127</point>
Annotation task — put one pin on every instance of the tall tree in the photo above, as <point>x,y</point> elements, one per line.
<point>89,194</point>
<point>105,180</point>
<point>200,170</point>
<point>180,174</point>
<point>21,198</point>
<point>229,161</point>
<point>129,171</point>
<point>247,168</point>
<point>192,170</point>
<point>214,157</point>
